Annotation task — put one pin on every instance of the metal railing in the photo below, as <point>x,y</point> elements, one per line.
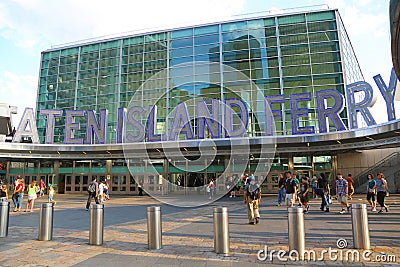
<point>387,162</point>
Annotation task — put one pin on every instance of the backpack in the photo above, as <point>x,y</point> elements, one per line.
<point>254,191</point>
<point>323,184</point>
<point>91,188</point>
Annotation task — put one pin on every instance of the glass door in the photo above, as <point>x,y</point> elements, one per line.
<point>77,183</point>
<point>118,183</point>
<point>68,183</point>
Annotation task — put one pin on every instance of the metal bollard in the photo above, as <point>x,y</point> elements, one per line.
<point>154,228</point>
<point>4,218</point>
<point>359,223</point>
<point>296,233</point>
<point>46,221</point>
<point>96,228</point>
<point>221,231</point>
<point>3,199</point>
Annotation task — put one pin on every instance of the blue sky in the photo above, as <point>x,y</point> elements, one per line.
<point>28,27</point>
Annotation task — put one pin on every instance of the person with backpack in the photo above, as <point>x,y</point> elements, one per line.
<point>291,189</point>
<point>92,190</point>
<point>252,198</point>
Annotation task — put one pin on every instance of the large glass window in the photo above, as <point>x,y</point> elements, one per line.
<point>107,74</point>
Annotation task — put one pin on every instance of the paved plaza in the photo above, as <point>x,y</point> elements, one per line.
<point>188,235</point>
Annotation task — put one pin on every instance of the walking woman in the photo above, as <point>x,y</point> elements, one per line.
<point>211,187</point>
<point>382,189</point>
<point>18,194</point>
<point>32,195</point>
<point>371,191</point>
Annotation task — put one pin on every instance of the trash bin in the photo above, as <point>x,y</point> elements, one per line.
<point>96,229</point>
<point>4,218</point>
<point>359,223</point>
<point>154,228</point>
<point>46,221</point>
<point>221,231</point>
<point>296,233</point>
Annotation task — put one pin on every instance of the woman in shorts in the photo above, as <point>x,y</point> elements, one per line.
<point>371,192</point>
<point>32,195</point>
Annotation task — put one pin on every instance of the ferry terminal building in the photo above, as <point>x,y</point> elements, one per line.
<point>177,145</point>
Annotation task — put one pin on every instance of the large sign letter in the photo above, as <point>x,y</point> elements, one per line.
<point>297,112</point>
<point>276,113</point>
<point>50,114</point>
<point>151,126</point>
<point>120,125</point>
<point>28,118</point>
<point>181,123</point>
<point>137,134</point>
<point>332,113</point>
<point>95,127</point>
<point>241,119</point>
<point>362,106</point>
<point>212,120</point>
<point>388,93</point>
<point>71,125</point>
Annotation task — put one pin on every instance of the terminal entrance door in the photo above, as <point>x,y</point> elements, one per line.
<point>80,183</point>
<point>119,183</point>
<point>135,179</point>
<point>75,183</point>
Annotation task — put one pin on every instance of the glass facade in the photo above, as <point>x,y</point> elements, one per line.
<point>286,54</point>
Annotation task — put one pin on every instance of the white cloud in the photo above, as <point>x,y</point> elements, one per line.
<point>42,22</point>
<point>18,90</point>
<point>363,2</point>
<point>368,30</point>
<point>359,23</point>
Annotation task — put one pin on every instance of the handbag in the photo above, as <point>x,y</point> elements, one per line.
<point>16,194</point>
<point>208,189</point>
<point>330,199</point>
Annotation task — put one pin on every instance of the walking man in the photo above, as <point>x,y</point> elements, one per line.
<point>342,192</point>
<point>93,190</point>
<point>324,190</point>
<point>252,198</point>
<point>303,194</point>
<point>291,189</point>
<point>281,189</point>
<point>314,184</point>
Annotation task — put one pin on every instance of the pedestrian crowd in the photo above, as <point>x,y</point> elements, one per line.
<point>98,191</point>
<point>33,190</point>
<point>293,190</point>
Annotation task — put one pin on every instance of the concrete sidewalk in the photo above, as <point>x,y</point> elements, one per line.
<point>187,234</point>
